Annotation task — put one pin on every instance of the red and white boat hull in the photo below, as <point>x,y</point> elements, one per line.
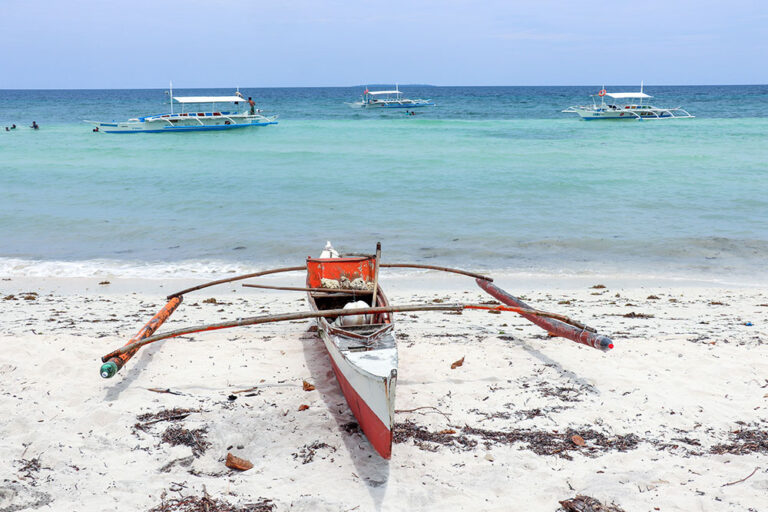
<point>363,353</point>
<point>370,396</point>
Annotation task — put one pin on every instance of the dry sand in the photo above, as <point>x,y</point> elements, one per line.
<point>672,419</point>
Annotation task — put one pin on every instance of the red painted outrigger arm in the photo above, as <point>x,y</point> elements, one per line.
<point>112,364</point>
<point>553,326</point>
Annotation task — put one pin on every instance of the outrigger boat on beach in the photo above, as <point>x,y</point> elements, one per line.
<point>389,99</point>
<point>355,322</point>
<point>362,348</point>
<point>625,106</point>
<point>239,115</point>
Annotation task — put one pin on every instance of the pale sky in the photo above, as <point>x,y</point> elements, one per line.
<point>282,43</point>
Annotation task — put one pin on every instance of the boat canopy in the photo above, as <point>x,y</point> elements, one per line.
<point>626,95</point>
<point>373,93</point>
<point>208,99</point>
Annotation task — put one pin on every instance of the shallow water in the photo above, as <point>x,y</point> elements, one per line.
<point>493,178</point>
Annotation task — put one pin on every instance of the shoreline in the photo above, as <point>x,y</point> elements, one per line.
<point>407,280</point>
<point>660,414</point>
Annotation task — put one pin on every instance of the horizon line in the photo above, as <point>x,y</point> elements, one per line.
<point>359,85</point>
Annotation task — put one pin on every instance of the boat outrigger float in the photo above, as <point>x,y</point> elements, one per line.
<point>355,321</point>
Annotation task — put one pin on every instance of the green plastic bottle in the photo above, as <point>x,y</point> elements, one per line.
<point>108,369</point>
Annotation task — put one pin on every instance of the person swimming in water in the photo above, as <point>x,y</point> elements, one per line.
<point>35,126</point>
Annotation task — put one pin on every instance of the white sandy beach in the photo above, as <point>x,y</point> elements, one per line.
<point>678,410</point>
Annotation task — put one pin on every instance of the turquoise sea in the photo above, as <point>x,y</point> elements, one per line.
<point>493,178</point>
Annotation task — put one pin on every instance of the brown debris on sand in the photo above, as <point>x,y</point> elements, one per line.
<point>541,443</point>
<point>583,503</point>
<point>563,393</point>
<point>195,439</point>
<point>351,428</point>
<point>744,441</point>
<point>307,452</point>
<point>175,414</point>
<point>430,441</point>
<point>28,469</point>
<point>238,463</point>
<point>632,314</point>
<point>205,503</point>
<point>555,443</point>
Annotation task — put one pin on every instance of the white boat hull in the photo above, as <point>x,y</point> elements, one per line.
<point>368,380</point>
<point>629,112</point>
<point>626,115</point>
<point>397,105</point>
<point>386,105</point>
<point>179,123</point>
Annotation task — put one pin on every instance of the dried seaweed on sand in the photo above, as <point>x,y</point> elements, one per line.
<point>175,414</point>
<point>744,441</point>
<point>539,442</point>
<point>583,503</point>
<point>195,439</point>
<point>207,504</point>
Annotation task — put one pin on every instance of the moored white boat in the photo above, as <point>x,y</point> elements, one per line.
<point>625,106</point>
<point>238,115</point>
<point>389,99</point>
<point>362,351</point>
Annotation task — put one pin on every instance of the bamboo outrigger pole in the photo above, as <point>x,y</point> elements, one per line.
<point>433,267</point>
<point>133,346</point>
<point>254,320</point>
<point>113,363</point>
<point>303,267</point>
<point>236,278</point>
<point>556,326</point>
